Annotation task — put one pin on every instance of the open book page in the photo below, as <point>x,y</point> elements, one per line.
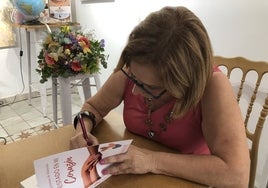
<point>30,182</point>
<point>78,167</point>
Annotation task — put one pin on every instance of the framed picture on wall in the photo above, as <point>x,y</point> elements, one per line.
<point>8,35</point>
<point>60,9</point>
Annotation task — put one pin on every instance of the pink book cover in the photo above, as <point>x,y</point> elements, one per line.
<point>78,167</point>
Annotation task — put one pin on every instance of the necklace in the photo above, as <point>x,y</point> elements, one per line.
<point>163,126</point>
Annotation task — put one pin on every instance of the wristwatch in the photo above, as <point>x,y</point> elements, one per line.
<point>86,114</point>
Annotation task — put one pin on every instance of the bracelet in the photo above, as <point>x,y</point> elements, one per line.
<point>87,114</point>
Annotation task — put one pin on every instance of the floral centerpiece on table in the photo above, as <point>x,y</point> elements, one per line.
<point>67,53</point>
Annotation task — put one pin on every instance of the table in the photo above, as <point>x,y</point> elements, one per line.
<point>17,158</point>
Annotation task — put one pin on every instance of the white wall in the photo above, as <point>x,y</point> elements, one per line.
<point>236,28</point>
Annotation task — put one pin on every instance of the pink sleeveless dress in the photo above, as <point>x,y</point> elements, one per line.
<point>183,134</point>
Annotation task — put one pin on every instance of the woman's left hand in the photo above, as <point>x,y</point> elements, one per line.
<point>134,161</point>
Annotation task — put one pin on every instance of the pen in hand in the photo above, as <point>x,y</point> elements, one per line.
<point>81,121</point>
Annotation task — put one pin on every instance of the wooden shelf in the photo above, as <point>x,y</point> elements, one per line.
<point>40,26</point>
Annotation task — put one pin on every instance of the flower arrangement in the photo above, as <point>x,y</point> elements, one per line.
<point>67,53</point>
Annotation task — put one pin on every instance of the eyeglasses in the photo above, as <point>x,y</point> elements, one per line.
<point>140,85</point>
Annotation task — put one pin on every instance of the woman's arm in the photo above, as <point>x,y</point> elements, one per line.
<point>223,129</point>
<point>107,98</point>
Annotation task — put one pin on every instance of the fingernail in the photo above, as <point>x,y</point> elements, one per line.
<point>102,162</point>
<point>104,171</point>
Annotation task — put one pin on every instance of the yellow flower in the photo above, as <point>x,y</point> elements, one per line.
<point>53,44</point>
<point>65,29</point>
<point>86,50</point>
<point>67,52</point>
<point>48,40</point>
<point>54,56</point>
<point>84,46</point>
<point>84,69</point>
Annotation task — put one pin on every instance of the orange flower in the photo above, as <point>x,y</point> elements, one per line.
<point>84,43</point>
<point>84,40</point>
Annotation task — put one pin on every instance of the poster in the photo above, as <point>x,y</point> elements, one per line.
<point>8,36</point>
<point>60,9</point>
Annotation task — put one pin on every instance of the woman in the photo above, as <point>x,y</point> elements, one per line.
<point>172,94</point>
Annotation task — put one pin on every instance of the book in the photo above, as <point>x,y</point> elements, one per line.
<point>77,168</point>
<point>29,182</point>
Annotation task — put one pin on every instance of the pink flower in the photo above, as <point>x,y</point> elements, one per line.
<point>49,60</point>
<point>76,66</point>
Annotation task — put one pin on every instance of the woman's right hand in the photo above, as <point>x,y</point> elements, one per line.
<point>78,140</point>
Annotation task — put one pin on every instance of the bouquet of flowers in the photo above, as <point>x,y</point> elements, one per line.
<point>67,53</point>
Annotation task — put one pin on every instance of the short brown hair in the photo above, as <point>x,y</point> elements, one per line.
<point>176,43</point>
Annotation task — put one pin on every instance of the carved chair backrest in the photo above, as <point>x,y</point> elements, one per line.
<point>246,66</point>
